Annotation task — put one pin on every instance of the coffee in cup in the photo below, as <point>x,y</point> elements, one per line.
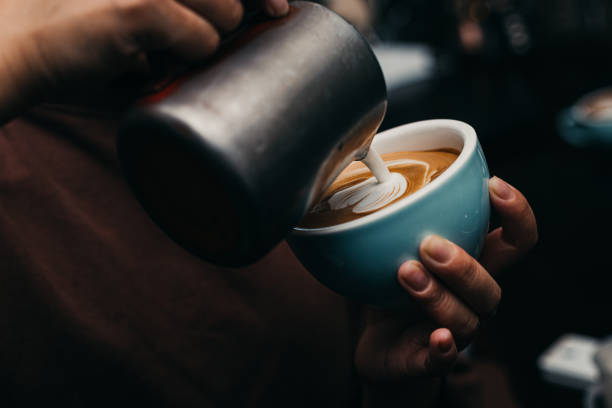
<point>358,192</point>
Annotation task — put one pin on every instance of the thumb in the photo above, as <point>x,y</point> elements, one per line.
<point>415,352</point>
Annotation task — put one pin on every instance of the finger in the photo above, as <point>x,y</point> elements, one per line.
<point>435,355</point>
<point>442,352</point>
<point>518,232</point>
<point>275,8</point>
<point>462,274</point>
<point>168,26</point>
<point>415,351</point>
<point>438,302</point>
<point>223,14</point>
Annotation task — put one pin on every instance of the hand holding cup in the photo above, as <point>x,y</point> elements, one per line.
<point>455,293</point>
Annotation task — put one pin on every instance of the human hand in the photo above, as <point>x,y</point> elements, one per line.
<point>50,45</point>
<point>455,292</point>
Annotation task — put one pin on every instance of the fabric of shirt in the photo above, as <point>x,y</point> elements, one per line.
<point>97,305</point>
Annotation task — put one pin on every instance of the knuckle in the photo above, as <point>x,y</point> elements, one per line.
<point>467,329</point>
<point>436,300</point>
<point>527,241</point>
<point>234,15</point>
<point>529,229</point>
<point>466,271</point>
<point>497,296</point>
<point>532,238</point>
<point>136,16</point>
<point>211,42</point>
<point>492,303</point>
<point>132,8</point>
<point>131,18</point>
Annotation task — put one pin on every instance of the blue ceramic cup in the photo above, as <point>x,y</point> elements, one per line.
<point>360,258</point>
<point>588,123</point>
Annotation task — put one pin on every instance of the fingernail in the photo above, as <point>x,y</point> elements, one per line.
<point>438,249</point>
<point>278,7</point>
<point>501,189</point>
<point>413,275</point>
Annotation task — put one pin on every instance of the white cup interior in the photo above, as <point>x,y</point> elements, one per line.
<point>426,135</point>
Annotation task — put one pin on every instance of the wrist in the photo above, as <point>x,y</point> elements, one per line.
<point>414,392</point>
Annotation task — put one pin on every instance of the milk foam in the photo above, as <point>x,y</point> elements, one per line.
<point>376,165</point>
<point>371,194</point>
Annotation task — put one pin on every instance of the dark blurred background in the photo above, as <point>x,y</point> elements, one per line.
<point>508,68</point>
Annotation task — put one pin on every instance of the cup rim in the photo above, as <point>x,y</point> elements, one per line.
<point>470,141</point>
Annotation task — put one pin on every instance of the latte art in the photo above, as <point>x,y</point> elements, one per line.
<point>373,193</point>
<point>356,192</point>
<point>369,195</point>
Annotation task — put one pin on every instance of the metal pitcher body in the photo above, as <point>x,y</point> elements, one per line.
<point>227,158</point>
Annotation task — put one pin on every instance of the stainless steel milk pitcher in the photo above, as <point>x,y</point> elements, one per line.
<point>227,158</point>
